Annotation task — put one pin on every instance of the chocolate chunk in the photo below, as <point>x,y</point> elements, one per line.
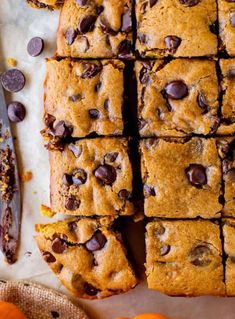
<point>106,27</point>
<point>48,257</point>
<point>172,43</point>
<point>126,21</point>
<point>124,194</point>
<point>189,3</point>
<point>77,151</point>
<point>16,112</point>
<point>199,256</point>
<point>98,86</point>
<point>141,124</point>
<point>75,98</point>
<point>196,174</point>
<point>58,245</point>
<point>90,290</point>
<point>176,90</point>
<point>70,36</point>
<point>165,250</point>
<point>13,80</point>
<point>106,104</point>
<point>159,230</point>
<point>232,19</point>
<point>49,119</point>
<point>124,49</point>
<point>201,100</point>
<point>35,46</point>
<point>106,173</point>
<point>72,203</point>
<point>152,3</point>
<point>90,70</point>
<point>94,114</point>
<point>111,157</point>
<point>149,191</point>
<point>62,130</point>
<point>97,241</point>
<point>82,3</point>
<point>67,180</point>
<point>87,24</point>
<point>79,176</point>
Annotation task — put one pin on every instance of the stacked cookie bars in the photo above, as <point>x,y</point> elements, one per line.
<point>182,52</point>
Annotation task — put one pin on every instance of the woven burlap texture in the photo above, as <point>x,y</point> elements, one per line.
<point>38,302</point>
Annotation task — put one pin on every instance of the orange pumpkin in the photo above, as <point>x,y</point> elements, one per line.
<point>10,311</point>
<point>147,316</point>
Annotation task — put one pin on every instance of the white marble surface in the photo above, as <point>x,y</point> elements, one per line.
<point>18,23</point>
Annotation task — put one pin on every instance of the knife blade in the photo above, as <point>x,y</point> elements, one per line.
<point>10,199</point>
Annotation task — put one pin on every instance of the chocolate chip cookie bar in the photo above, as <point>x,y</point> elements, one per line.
<point>46,4</point>
<point>181,178</point>
<point>92,177</point>
<point>227,25</point>
<point>177,98</point>
<point>82,98</point>
<point>87,256</point>
<point>229,249</point>
<point>227,153</point>
<point>95,29</point>
<point>184,258</point>
<point>179,28</point>
<point>227,125</point>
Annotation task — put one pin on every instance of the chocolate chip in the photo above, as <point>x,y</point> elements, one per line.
<point>70,36</point>
<point>214,27</point>
<point>98,86</point>
<point>72,226</point>
<point>149,191</point>
<point>72,203</point>
<point>126,21</point>
<point>35,46</point>
<point>59,245</point>
<point>143,7</point>
<point>79,176</point>
<point>106,173</point>
<point>87,24</point>
<point>55,314</point>
<point>165,250</point>
<point>141,124</point>
<point>152,3</point>
<point>231,73</point>
<point>124,49</point>
<point>16,112</point>
<point>97,241</point>
<point>77,151</point>
<point>199,256</point>
<point>201,100</point>
<point>106,27</point>
<point>189,3</point>
<point>196,174</point>
<point>48,257</point>
<point>13,80</point>
<point>176,90</point>
<point>232,19</point>
<point>111,157</point>
<point>124,194</point>
<point>67,179</point>
<point>90,290</point>
<point>82,3</point>
<point>144,76</point>
<point>49,120</point>
<point>94,114</point>
<point>159,230</point>
<point>62,130</point>
<point>75,98</point>
<point>99,9</point>
<point>90,70</point>
<point>143,38</point>
<point>106,104</point>
<point>172,43</point>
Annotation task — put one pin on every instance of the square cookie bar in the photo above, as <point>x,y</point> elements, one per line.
<point>184,258</point>
<point>227,125</point>
<point>181,178</point>
<point>227,153</point>
<point>46,4</point>
<point>95,29</point>
<point>177,98</point>
<point>179,28</point>
<point>87,256</point>
<point>92,177</point>
<point>229,249</point>
<point>227,25</point>
<point>82,98</point>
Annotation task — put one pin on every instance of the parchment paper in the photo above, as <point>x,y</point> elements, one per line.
<point>18,24</point>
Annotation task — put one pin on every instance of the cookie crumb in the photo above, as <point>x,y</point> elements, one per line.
<point>11,62</point>
<point>46,211</point>
<point>26,176</point>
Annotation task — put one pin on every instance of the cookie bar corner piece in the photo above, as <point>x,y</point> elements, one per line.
<point>87,256</point>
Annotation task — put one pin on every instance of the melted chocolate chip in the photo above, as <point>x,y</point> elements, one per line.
<point>97,241</point>
<point>106,174</point>
<point>149,191</point>
<point>200,256</point>
<point>70,36</point>
<point>165,250</point>
<point>67,180</point>
<point>75,98</point>
<point>48,257</point>
<point>98,86</point>
<point>106,104</point>
<point>62,130</point>
<point>87,24</point>
<point>90,290</point>
<point>35,46</point>
<point>176,90</point>
<point>172,43</point>
<point>94,114</point>
<point>111,157</point>
<point>13,80</point>
<point>58,245</point>
<point>201,100</point>
<point>72,203</point>
<point>152,3</point>
<point>90,70</point>
<point>77,151</point>
<point>144,76</point>
<point>16,112</point>
<point>126,21</point>
<point>79,176</point>
<point>189,3</point>
<point>196,174</point>
<point>124,194</point>
<point>124,49</point>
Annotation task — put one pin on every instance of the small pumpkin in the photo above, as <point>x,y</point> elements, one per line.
<point>10,311</point>
<point>147,316</point>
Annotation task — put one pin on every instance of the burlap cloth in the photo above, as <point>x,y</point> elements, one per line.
<point>38,302</point>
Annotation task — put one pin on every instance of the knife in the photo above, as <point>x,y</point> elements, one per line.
<point>10,200</point>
